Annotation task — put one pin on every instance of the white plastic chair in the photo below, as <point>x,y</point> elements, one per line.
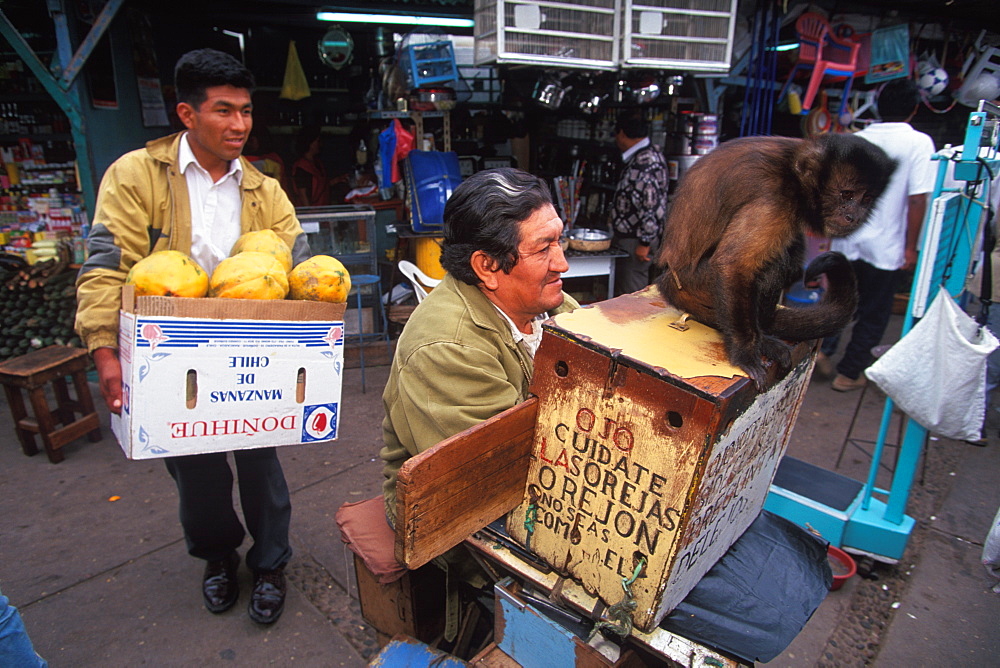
<point>418,279</point>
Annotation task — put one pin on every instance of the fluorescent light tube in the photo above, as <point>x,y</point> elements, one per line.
<point>351,17</point>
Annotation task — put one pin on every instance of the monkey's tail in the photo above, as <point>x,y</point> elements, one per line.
<point>830,315</point>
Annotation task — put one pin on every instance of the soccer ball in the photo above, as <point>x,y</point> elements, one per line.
<point>933,81</point>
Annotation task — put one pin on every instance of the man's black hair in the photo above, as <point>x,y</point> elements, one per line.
<point>898,99</point>
<point>633,125</point>
<point>485,214</point>
<point>198,70</point>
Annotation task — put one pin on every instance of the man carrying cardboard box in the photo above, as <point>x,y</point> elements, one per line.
<point>193,192</point>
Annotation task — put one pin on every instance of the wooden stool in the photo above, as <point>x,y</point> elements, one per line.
<point>32,372</point>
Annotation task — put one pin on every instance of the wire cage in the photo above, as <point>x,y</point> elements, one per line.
<point>582,34</point>
<point>690,34</point>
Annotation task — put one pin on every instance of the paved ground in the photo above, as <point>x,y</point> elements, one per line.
<point>104,582</point>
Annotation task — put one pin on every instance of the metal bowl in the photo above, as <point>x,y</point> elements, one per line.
<point>589,240</point>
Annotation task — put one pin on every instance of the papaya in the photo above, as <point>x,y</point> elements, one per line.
<point>264,241</point>
<point>321,278</point>
<point>168,273</point>
<point>249,275</point>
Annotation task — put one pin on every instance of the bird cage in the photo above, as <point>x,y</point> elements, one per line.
<point>695,35</point>
<point>583,34</point>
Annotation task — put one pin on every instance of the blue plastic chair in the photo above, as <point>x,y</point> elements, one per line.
<point>357,282</point>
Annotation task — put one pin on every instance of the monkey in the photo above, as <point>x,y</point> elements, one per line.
<point>734,239</point>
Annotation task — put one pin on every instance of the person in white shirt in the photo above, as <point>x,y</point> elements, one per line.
<point>193,192</point>
<point>887,243</point>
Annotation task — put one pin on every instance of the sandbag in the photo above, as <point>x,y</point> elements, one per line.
<point>936,373</point>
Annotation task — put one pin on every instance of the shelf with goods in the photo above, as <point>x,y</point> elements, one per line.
<point>582,146</point>
<point>40,201</point>
<point>582,151</point>
<point>42,216</point>
<point>40,197</point>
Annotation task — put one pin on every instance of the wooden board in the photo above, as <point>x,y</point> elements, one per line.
<point>294,310</point>
<point>535,641</point>
<point>462,484</point>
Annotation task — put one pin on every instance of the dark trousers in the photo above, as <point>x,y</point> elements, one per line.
<point>876,291</point>
<point>211,527</point>
<point>631,275</point>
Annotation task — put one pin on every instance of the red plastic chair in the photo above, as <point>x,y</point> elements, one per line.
<point>825,54</point>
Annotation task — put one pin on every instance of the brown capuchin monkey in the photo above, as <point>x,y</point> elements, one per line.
<point>734,239</point>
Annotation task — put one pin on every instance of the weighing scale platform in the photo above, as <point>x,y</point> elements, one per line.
<point>830,503</point>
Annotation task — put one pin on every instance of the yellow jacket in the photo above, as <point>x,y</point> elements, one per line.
<point>142,207</point>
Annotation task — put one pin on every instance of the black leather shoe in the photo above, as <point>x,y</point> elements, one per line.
<point>268,597</point>
<point>219,586</point>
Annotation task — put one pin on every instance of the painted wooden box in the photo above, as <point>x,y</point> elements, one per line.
<point>652,454</point>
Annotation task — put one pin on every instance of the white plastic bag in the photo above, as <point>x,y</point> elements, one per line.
<point>936,374</point>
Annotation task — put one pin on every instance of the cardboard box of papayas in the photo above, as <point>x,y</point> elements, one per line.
<point>212,375</point>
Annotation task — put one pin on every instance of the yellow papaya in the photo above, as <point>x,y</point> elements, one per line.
<point>168,273</point>
<point>264,241</point>
<point>321,278</point>
<point>249,275</point>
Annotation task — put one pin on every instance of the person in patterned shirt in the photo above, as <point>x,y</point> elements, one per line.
<point>640,203</point>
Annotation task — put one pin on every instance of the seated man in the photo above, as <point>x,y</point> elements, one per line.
<point>467,351</point>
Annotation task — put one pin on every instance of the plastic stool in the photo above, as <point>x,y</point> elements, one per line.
<point>357,281</point>
<point>31,372</point>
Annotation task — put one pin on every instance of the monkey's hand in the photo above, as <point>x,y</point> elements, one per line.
<point>755,360</point>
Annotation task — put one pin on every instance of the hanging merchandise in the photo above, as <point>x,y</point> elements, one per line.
<point>931,77</point>
<point>394,144</point>
<point>936,373</point>
<point>980,75</point>
<point>758,106</point>
<point>890,58</point>
<point>824,51</point>
<point>932,80</point>
<point>426,57</point>
<point>294,87</point>
<point>550,91</point>
<point>819,120</point>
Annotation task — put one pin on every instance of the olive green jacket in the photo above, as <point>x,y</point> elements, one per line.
<point>456,364</point>
<point>142,207</point>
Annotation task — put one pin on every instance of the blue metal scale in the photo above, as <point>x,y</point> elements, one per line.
<point>857,516</point>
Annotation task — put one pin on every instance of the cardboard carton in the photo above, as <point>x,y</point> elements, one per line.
<point>214,375</point>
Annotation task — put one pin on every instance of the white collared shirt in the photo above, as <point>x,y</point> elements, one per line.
<point>642,143</point>
<point>215,208</point>
<point>531,341</point>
